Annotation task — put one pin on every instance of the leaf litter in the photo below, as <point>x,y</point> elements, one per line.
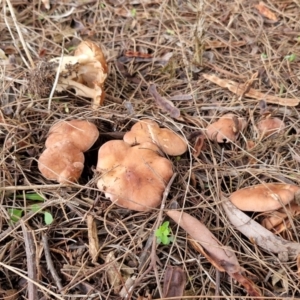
<point>246,56</point>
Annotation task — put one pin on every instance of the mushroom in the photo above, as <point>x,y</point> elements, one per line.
<point>226,129</point>
<point>81,133</point>
<point>270,126</point>
<point>148,131</point>
<point>133,177</point>
<point>63,159</point>
<point>264,197</point>
<point>85,72</point>
<point>279,220</point>
<point>62,162</point>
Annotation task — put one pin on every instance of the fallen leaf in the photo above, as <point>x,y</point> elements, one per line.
<point>198,144</point>
<point>221,44</point>
<point>93,238</point>
<point>126,288</point>
<point>257,233</point>
<point>224,256</point>
<point>113,272</point>
<point>174,282</point>
<point>263,10</point>
<point>163,103</point>
<point>9,294</point>
<point>240,90</point>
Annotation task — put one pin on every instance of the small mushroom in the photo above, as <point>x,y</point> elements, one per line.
<point>264,197</point>
<point>133,177</point>
<point>62,162</point>
<point>81,133</point>
<point>270,126</point>
<point>226,129</point>
<point>85,72</point>
<point>148,131</point>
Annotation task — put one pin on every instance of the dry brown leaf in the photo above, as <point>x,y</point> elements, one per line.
<point>198,145</point>
<point>174,282</point>
<point>254,231</point>
<point>241,90</point>
<point>93,238</point>
<point>163,103</point>
<point>264,197</point>
<point>221,44</point>
<point>9,294</point>
<point>199,232</point>
<point>199,248</point>
<point>113,272</point>
<point>224,256</point>
<point>263,10</point>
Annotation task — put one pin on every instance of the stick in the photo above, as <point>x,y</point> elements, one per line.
<point>50,262</point>
<point>31,262</point>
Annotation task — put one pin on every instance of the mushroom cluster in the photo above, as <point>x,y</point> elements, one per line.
<point>63,158</point>
<point>133,173</point>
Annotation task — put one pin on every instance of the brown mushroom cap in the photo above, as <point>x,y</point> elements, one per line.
<point>81,133</point>
<point>148,131</point>
<point>269,126</point>
<point>133,177</point>
<point>226,129</point>
<point>62,162</point>
<point>264,197</point>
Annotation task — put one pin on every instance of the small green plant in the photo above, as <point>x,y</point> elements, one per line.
<point>290,57</point>
<point>16,213</point>
<point>164,234</point>
<point>133,12</point>
<point>264,56</point>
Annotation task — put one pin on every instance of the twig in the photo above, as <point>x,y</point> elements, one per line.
<point>56,76</point>
<point>32,187</point>
<point>11,9</point>
<point>31,262</point>
<point>17,271</point>
<point>50,262</point>
<point>153,250</point>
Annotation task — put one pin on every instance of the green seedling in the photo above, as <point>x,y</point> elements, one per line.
<point>16,213</point>
<point>290,57</point>
<point>133,12</point>
<point>264,56</point>
<point>164,234</point>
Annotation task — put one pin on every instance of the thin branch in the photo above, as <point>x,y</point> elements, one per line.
<point>11,9</point>
<point>31,262</point>
<point>49,261</point>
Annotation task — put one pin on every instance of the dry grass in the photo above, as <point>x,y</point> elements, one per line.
<point>203,37</point>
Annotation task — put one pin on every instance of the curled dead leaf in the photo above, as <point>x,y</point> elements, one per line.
<point>222,255</point>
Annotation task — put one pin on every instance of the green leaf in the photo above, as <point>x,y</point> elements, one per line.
<point>133,12</point>
<point>35,207</point>
<point>15,214</point>
<point>291,57</point>
<point>31,196</point>
<point>163,234</point>
<point>48,218</point>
